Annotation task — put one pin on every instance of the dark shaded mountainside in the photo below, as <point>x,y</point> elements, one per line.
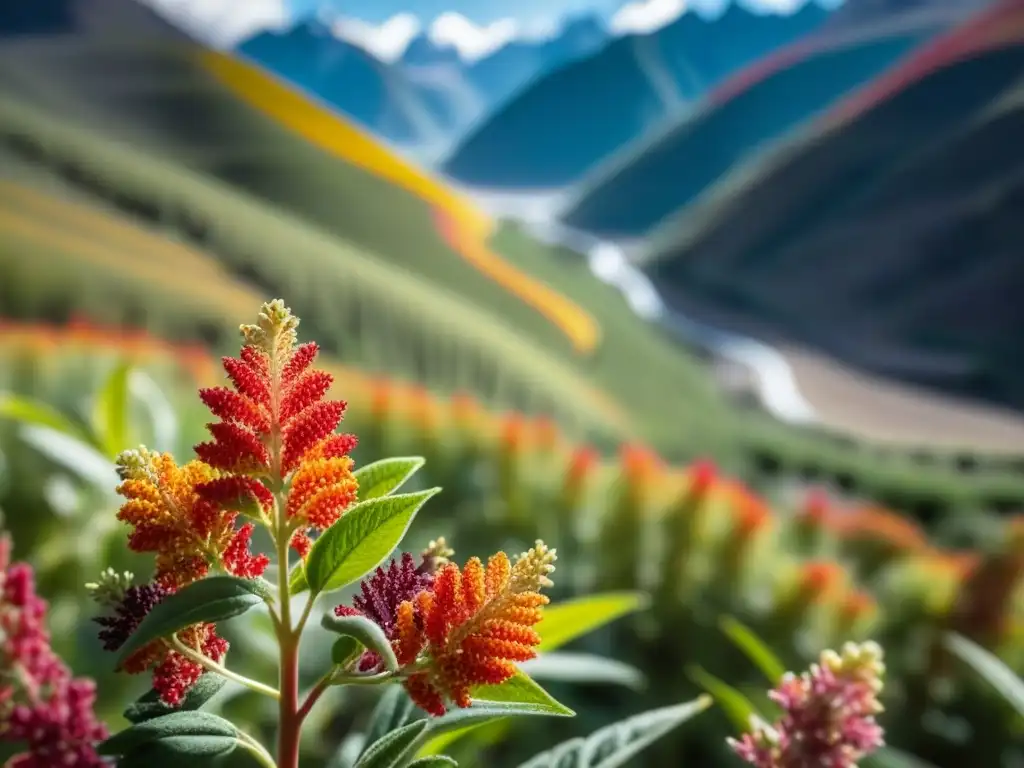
<point>636,190</point>
<point>568,121</point>
<point>890,236</point>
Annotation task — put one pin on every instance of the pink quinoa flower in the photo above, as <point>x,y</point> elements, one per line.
<point>828,718</point>
<point>42,707</point>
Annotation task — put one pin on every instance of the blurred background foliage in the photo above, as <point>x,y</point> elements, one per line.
<point>803,569</point>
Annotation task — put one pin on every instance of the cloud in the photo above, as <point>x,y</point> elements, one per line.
<point>386,41</point>
<point>470,40</point>
<point>644,16</point>
<point>223,23</point>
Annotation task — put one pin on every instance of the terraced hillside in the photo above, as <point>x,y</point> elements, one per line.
<point>391,270</point>
<point>297,201</point>
<point>888,235</point>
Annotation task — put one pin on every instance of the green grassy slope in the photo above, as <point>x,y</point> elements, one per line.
<point>192,156</point>
<point>282,217</point>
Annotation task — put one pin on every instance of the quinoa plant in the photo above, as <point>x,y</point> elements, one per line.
<point>448,640</point>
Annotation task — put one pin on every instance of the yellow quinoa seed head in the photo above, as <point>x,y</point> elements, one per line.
<point>533,567</point>
<point>135,464</point>
<point>274,331</point>
<point>439,551</point>
<point>110,587</point>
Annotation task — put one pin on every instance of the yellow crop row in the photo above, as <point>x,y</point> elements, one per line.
<point>473,228</point>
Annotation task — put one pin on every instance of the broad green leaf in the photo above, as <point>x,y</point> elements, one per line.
<point>991,669</point>
<point>383,477</point>
<point>737,707</point>
<point>212,599</point>
<point>362,539</point>
<point>439,743</point>
<point>345,649</point>
<point>434,761</point>
<point>182,724</point>
<point>39,414</point>
<point>480,712</point>
<point>614,745</point>
<point>392,749</point>
<point>171,751</point>
<point>564,667</point>
<point>110,412</point>
<point>297,579</point>
<point>149,705</point>
<point>564,622</point>
<point>163,417</point>
<point>394,709</point>
<point>754,648</point>
<point>366,632</point>
<point>77,455</point>
<point>520,691</point>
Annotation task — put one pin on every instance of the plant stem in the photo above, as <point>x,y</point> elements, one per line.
<point>289,720</point>
<point>305,614</point>
<point>221,670</point>
<point>318,690</point>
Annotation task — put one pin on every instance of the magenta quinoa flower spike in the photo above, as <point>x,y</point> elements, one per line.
<point>42,707</point>
<point>828,718</point>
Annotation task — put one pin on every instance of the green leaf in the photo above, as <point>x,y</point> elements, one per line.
<point>171,751</point>
<point>345,649</point>
<point>75,454</point>
<point>394,709</point>
<point>991,669</point>
<point>38,414</point>
<point>383,477</point>
<point>176,724</point>
<point>149,705</point>
<point>434,761</point>
<point>110,411</point>
<point>212,599</point>
<point>754,649</point>
<point>737,707</point>
<point>614,745</point>
<point>564,667</point>
<point>520,692</point>
<point>520,689</point>
<point>163,417</point>
<point>361,540</point>
<point>297,579</point>
<point>366,632</point>
<point>392,749</point>
<point>480,712</point>
<point>564,622</point>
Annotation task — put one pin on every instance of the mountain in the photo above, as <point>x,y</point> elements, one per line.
<point>503,73</point>
<point>860,12</point>
<point>374,93</point>
<point>575,116</point>
<point>630,195</point>
<point>889,235</point>
<point>427,97</point>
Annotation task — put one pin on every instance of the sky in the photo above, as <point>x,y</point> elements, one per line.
<point>475,28</point>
